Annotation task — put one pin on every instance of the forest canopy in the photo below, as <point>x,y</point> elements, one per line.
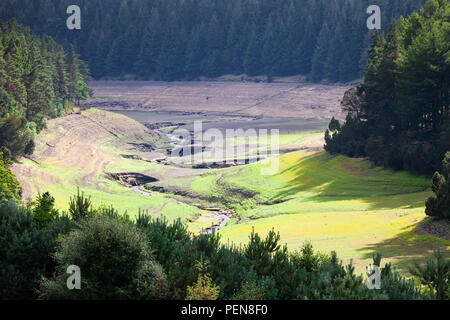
<point>186,39</point>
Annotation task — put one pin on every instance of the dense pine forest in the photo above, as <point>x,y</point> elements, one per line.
<point>185,39</point>
<point>399,116</point>
<point>38,80</point>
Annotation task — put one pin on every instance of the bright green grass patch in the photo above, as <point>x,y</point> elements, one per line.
<point>299,138</point>
<point>254,146</point>
<point>316,182</point>
<point>352,234</point>
<point>106,192</point>
<point>337,203</point>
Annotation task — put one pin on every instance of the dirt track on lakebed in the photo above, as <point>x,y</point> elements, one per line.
<point>222,97</point>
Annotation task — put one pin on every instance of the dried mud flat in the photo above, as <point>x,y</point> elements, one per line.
<point>285,100</point>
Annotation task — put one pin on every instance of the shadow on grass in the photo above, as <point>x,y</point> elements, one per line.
<point>402,201</point>
<point>408,247</point>
<point>338,178</point>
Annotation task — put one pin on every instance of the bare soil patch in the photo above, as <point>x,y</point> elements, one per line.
<point>440,229</point>
<point>221,97</point>
<point>74,142</point>
<point>131,178</point>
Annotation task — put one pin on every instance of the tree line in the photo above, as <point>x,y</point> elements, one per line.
<point>187,39</point>
<point>38,80</point>
<point>399,116</point>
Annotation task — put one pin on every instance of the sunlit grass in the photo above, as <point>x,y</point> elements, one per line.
<point>337,203</point>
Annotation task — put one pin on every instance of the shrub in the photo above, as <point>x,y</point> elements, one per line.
<point>174,249</point>
<point>43,209</point>
<point>435,275</point>
<point>115,263</point>
<point>15,136</point>
<point>9,186</point>
<point>80,207</point>
<point>203,289</point>
<point>251,291</point>
<point>396,287</point>
<point>25,251</point>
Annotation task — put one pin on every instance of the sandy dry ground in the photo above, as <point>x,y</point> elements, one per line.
<point>236,98</point>
<point>74,142</point>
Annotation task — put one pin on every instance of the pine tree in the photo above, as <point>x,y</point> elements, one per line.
<point>370,88</point>
<point>15,72</point>
<point>9,186</point>
<point>319,67</point>
<point>61,80</point>
<point>214,44</point>
<point>40,92</point>
<point>304,51</point>
<point>15,136</point>
<point>344,70</point>
<point>113,63</point>
<point>268,58</point>
<point>73,73</point>
<point>388,83</point>
<point>424,84</point>
<point>203,289</point>
<point>400,113</point>
<point>195,54</point>
<point>435,275</point>
<point>150,46</point>
<point>35,78</point>
<point>8,104</point>
<point>438,205</point>
<point>252,61</point>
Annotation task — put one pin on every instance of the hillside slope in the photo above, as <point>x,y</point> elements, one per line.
<point>83,150</point>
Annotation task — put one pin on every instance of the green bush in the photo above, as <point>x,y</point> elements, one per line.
<point>115,262</point>
<point>396,287</point>
<point>80,207</point>
<point>16,136</point>
<point>438,205</point>
<point>43,209</point>
<point>250,291</point>
<point>25,251</point>
<point>203,288</point>
<point>173,248</point>
<point>9,186</point>
<point>435,275</point>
